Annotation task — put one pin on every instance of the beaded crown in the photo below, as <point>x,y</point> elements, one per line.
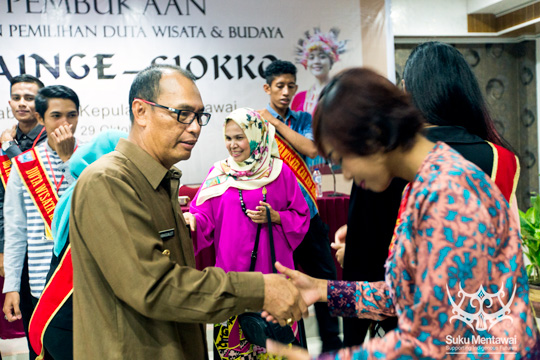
<point>328,43</point>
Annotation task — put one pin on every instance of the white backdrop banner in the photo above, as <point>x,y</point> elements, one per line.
<point>97,46</point>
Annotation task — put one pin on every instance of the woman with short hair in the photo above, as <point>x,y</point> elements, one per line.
<point>455,277</point>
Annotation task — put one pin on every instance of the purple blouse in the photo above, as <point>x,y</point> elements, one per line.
<point>221,221</point>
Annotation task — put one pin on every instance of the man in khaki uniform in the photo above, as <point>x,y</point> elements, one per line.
<point>137,294</point>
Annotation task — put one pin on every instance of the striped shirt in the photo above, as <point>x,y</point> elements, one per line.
<point>25,228</point>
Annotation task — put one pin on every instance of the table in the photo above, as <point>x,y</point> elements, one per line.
<point>334,212</point>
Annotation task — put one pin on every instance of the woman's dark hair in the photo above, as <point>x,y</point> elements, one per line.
<point>54,92</point>
<point>361,112</point>
<point>443,87</point>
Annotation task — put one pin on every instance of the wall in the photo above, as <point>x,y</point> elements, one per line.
<point>507,75</point>
<point>377,48</point>
<point>429,18</point>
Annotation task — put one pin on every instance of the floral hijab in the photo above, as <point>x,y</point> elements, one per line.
<point>262,166</point>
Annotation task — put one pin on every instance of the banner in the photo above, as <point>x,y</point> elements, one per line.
<point>97,46</point>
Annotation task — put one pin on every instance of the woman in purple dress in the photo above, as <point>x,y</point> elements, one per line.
<point>231,204</point>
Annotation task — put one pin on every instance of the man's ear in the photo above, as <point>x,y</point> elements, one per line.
<point>266,88</point>
<point>140,112</point>
<point>39,119</point>
<point>403,85</point>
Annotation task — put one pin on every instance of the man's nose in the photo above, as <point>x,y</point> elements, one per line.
<point>194,127</point>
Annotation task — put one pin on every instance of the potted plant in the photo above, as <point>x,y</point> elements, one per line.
<point>530,232</point>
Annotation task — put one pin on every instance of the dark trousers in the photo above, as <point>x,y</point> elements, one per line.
<point>26,305</point>
<point>58,343</point>
<point>314,257</point>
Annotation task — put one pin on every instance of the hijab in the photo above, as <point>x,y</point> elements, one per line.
<point>261,167</point>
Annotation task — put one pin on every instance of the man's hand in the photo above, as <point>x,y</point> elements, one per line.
<point>64,141</point>
<point>265,114</point>
<point>2,273</point>
<point>11,306</point>
<point>339,244</point>
<point>8,134</point>
<point>282,300</point>
<point>191,220</point>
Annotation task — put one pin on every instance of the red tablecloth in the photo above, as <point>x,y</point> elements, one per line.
<point>334,212</point>
<point>332,209</point>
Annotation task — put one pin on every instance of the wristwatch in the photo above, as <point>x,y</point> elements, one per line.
<point>7,144</point>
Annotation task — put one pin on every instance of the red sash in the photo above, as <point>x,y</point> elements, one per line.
<point>39,186</point>
<point>505,171</point>
<point>57,291</point>
<point>298,166</point>
<point>5,167</point>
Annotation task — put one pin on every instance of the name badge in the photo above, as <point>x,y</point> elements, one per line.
<point>165,234</point>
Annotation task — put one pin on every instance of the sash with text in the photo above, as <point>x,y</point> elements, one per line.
<point>298,166</point>
<point>39,186</point>
<point>5,167</point>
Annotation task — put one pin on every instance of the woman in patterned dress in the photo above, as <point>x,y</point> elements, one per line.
<point>455,277</point>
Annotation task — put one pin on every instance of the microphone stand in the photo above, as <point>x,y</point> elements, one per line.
<point>335,194</point>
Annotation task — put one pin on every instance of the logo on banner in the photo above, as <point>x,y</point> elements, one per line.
<point>480,320</point>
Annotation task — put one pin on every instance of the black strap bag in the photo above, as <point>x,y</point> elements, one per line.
<point>255,328</point>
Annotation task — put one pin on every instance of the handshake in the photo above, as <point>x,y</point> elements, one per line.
<point>286,298</point>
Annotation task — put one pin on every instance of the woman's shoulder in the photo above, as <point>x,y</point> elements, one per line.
<point>285,170</point>
<point>447,171</point>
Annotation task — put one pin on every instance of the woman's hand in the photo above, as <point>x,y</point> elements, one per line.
<point>289,352</point>
<point>312,290</point>
<point>191,220</point>
<point>340,252</point>
<point>259,216</point>
<point>339,244</point>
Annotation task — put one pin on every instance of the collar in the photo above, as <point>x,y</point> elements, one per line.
<point>32,134</point>
<point>153,171</point>
<point>289,115</point>
<point>452,134</point>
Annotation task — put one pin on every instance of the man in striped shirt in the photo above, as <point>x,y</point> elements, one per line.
<point>38,178</point>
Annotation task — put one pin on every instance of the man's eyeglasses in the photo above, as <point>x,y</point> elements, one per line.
<point>183,116</point>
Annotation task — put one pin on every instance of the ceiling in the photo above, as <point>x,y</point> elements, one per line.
<point>505,18</point>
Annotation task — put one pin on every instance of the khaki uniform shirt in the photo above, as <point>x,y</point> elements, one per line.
<point>137,294</point>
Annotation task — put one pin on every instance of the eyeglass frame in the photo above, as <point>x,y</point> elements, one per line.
<point>196,115</point>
